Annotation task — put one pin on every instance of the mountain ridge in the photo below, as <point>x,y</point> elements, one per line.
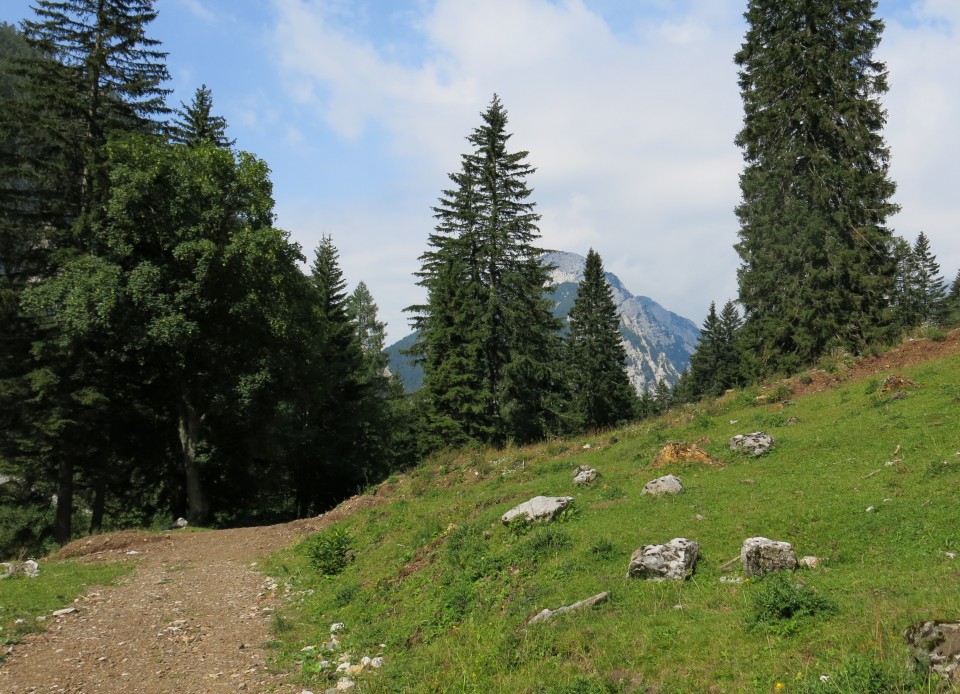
<point>658,342</point>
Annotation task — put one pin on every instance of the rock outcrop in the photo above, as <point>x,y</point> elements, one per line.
<point>760,555</point>
<point>674,561</point>
<point>936,645</point>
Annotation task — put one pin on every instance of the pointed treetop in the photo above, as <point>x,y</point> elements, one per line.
<point>195,124</point>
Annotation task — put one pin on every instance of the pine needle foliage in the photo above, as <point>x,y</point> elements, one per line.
<point>816,268</point>
<point>489,343</point>
<point>601,391</point>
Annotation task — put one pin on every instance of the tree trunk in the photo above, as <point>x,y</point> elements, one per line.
<point>99,500</point>
<point>198,507</point>
<point>62,527</point>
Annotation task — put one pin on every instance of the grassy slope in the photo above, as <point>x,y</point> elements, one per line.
<point>447,589</point>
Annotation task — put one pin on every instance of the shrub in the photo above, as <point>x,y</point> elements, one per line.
<point>329,551</point>
<point>780,601</point>
<point>548,541</point>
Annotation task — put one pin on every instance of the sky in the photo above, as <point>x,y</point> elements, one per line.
<point>628,109</point>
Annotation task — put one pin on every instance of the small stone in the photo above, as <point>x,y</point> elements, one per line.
<point>587,446</point>
<point>305,649</point>
<point>345,683</point>
<point>810,562</point>
<point>336,627</point>
<point>180,523</point>
<point>376,663</point>
<point>584,475</point>
<point>64,611</point>
<point>951,555</point>
<point>871,509</point>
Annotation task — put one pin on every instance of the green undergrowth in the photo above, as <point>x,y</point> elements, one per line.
<point>433,582</point>
<point>24,599</point>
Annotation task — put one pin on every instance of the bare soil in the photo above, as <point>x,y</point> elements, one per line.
<point>195,615</point>
<point>909,353</point>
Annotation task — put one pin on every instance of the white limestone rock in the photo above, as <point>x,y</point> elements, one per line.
<point>753,444</point>
<point>760,555</point>
<point>539,509</point>
<point>674,561</point>
<point>668,484</point>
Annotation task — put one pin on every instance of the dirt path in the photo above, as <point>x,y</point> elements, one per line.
<point>192,618</point>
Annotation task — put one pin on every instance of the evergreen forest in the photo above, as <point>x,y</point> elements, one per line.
<point>164,353</point>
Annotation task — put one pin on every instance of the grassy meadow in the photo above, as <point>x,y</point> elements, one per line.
<point>428,578</point>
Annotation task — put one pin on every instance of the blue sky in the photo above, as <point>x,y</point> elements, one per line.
<point>627,107</point>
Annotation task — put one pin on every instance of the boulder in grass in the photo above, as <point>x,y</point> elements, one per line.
<point>674,561</point>
<point>539,509</point>
<point>28,568</point>
<point>753,444</point>
<point>668,484</point>
<point>760,556</point>
<point>936,646</point>
<point>584,475</point>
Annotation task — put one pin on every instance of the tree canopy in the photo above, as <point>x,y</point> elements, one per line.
<point>816,265</point>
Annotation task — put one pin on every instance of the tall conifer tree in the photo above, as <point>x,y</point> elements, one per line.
<point>489,342</point>
<point>600,388</point>
<point>816,266</point>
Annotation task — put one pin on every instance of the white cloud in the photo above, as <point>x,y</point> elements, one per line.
<point>631,132</point>
<point>923,59</point>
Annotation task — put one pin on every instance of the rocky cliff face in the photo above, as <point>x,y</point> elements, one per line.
<point>658,342</point>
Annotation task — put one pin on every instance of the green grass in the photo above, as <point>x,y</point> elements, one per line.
<point>56,586</point>
<point>443,591</point>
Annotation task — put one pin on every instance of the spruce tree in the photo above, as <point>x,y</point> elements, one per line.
<point>904,299</point>
<point>930,287</point>
<point>489,343</point>
<point>600,389</point>
<point>951,304</point>
<point>731,360</point>
<point>662,397</point>
<point>194,123</point>
<point>371,332</point>
<point>816,268</point>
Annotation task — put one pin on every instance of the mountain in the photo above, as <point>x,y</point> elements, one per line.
<point>658,342</point>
